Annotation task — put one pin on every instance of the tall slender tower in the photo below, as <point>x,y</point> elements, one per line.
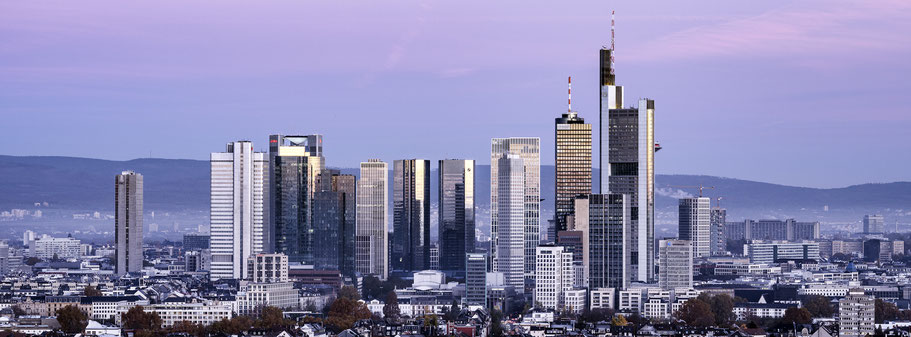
<point>372,237</point>
<point>694,224</point>
<point>410,215</point>
<point>295,165</point>
<point>608,225</point>
<point>627,162</point>
<point>237,190</point>
<point>457,213</point>
<point>511,228</point>
<point>573,158</point>
<point>528,149</point>
<point>333,222</point>
<point>128,222</point>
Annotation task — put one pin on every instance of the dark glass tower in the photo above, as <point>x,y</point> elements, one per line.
<point>410,215</point>
<point>333,222</point>
<point>456,201</point>
<point>295,163</point>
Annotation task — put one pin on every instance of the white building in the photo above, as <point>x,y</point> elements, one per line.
<point>523,152</point>
<point>602,298</point>
<point>47,248</point>
<point>695,224</point>
<point>254,295</point>
<point>268,268</point>
<point>174,312</point>
<point>856,314</point>
<point>238,179</point>
<point>553,277</point>
<point>372,238</point>
<point>509,243</point>
<point>675,264</point>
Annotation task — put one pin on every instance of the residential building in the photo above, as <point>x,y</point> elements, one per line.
<point>410,214</point>
<point>237,220</point>
<point>48,248</point>
<point>456,213</point>
<point>873,224</point>
<point>717,242</point>
<point>856,314</point>
<point>268,268</point>
<point>174,312</point>
<point>128,222</point>
<point>554,275</point>
<point>372,239</point>
<point>773,252</point>
<point>779,230</point>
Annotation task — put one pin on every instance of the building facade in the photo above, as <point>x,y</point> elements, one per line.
<point>237,189</point>
<point>128,222</point>
<point>675,264</point>
<point>509,244</point>
<point>554,276</point>
<point>372,238</point>
<point>410,214</point>
<point>456,212</point>
<point>573,164</point>
<point>476,279</point>
<point>295,163</point>
<point>856,314</point>
<point>694,224</point>
<point>608,226</point>
<point>717,242</point>
<point>873,224</point>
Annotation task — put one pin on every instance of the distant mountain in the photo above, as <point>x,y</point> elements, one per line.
<point>176,184</point>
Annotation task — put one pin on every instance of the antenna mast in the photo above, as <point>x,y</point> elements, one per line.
<point>569,93</point>
<point>612,50</point>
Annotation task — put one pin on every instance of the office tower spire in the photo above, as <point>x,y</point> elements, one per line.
<point>573,158</point>
<point>238,181</point>
<point>128,222</point>
<point>411,215</point>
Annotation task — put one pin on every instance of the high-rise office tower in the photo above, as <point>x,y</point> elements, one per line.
<point>372,238</point>
<point>410,215</point>
<point>718,244</point>
<point>295,163</point>
<point>456,213</point>
<point>554,275</point>
<point>694,224</point>
<point>573,158</point>
<point>236,220</point>
<point>334,222</point>
<point>128,222</point>
<point>509,244</point>
<point>476,279</point>
<point>608,227</point>
<point>873,224</point>
<point>856,314</point>
<point>528,150</point>
<point>675,264</point>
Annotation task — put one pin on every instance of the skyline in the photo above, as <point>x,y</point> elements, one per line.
<point>67,75</point>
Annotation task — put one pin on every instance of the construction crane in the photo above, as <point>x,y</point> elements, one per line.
<point>700,187</point>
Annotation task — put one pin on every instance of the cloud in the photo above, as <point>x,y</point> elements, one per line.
<point>673,193</point>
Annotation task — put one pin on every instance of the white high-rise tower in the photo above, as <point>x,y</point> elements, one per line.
<point>237,183</point>
<point>372,237</point>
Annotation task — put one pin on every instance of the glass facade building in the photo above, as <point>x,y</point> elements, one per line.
<point>295,165</point>
<point>410,215</point>
<point>573,158</point>
<point>456,213</point>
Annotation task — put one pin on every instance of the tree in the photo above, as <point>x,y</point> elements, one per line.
<point>819,306</point>
<point>391,309</point>
<point>271,319</point>
<point>349,292</point>
<point>496,320</point>
<point>71,319</point>
<point>234,326</point>
<point>885,311</point>
<point>344,312</point>
<point>91,291</point>
<point>137,319</point>
<point>32,261</point>
<point>188,328</point>
<point>311,307</point>
<point>696,312</point>
<point>722,307</point>
<point>18,311</point>
<point>795,315</point>
<point>839,257</point>
<point>619,320</point>
<point>596,315</point>
<point>454,311</point>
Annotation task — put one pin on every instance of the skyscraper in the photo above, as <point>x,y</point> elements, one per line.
<point>476,279</point>
<point>295,165</point>
<point>345,186</point>
<point>608,226</point>
<point>718,244</point>
<point>694,224</point>
<point>528,150</point>
<point>333,222</point>
<point>128,222</point>
<point>372,238</point>
<point>554,275</point>
<point>873,224</point>
<point>237,189</point>
<point>456,213</point>
<point>675,264</point>
<point>573,158</point>
<point>856,314</point>
<point>511,228</point>
<point>410,215</point>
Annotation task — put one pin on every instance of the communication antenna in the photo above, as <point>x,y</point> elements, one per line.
<point>612,50</point>
<point>569,93</point>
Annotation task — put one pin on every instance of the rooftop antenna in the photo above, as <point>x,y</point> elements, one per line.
<point>612,50</point>
<point>569,93</point>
